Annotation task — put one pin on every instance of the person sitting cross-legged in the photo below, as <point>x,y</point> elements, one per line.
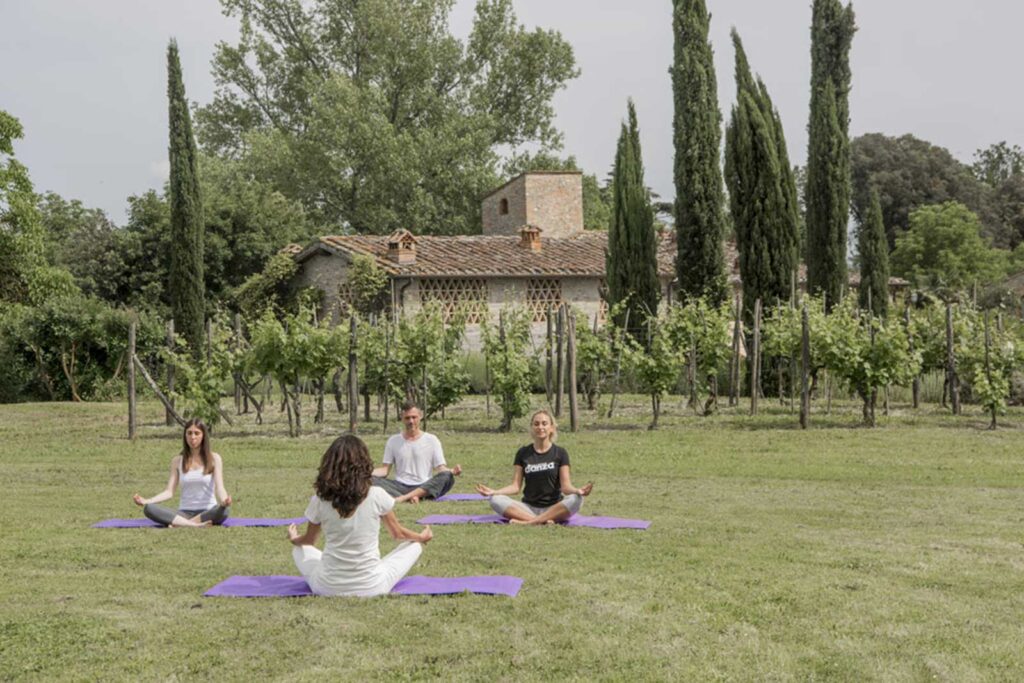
<point>420,469</point>
<point>541,471</point>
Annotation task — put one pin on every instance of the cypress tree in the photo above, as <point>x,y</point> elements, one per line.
<point>762,191</point>
<point>828,149</point>
<point>631,258</point>
<point>186,285</point>
<point>700,263</point>
<point>874,259</point>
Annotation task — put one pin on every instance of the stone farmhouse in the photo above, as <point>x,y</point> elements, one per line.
<point>533,252</point>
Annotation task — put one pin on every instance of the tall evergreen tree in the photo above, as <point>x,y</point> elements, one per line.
<point>700,263</point>
<point>186,276</point>
<point>873,249</point>
<point>631,259</point>
<point>828,149</point>
<point>762,191</point>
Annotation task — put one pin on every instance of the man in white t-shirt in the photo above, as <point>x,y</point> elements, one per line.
<point>420,469</point>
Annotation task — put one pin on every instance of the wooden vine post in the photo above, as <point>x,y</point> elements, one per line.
<point>570,361</point>
<point>755,361</point>
<point>239,394</point>
<point>559,361</point>
<point>169,413</point>
<point>915,387</point>
<point>954,384</point>
<point>734,359</point>
<point>353,382</point>
<point>805,369</point>
<point>549,353</point>
<point>988,367</point>
<point>132,408</point>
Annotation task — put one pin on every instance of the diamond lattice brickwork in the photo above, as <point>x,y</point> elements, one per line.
<point>541,293</point>
<point>455,294</point>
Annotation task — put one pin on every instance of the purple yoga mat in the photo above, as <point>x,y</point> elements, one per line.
<point>575,520</point>
<point>230,521</point>
<point>452,497</point>
<point>296,586</point>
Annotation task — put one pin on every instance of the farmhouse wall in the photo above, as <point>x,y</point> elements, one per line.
<point>326,272</point>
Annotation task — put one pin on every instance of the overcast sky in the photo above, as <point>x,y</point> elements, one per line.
<point>88,80</point>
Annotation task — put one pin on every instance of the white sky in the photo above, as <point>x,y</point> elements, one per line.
<point>88,81</point>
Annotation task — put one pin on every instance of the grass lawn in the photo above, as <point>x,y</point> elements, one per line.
<point>837,553</point>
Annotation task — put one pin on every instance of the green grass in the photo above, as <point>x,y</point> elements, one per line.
<point>839,553</point>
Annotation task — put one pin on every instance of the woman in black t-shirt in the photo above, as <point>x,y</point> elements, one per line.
<point>549,495</point>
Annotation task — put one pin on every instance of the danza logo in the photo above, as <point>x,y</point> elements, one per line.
<point>539,467</point>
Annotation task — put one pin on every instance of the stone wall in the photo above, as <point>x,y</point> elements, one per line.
<point>326,272</point>
<point>551,200</point>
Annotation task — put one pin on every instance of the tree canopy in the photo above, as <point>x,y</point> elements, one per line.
<point>700,201</point>
<point>944,249</point>
<point>372,115</point>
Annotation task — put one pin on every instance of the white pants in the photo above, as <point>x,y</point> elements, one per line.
<point>393,567</point>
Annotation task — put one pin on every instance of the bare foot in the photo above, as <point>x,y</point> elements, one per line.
<point>520,521</point>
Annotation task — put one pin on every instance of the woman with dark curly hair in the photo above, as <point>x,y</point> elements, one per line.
<point>349,510</point>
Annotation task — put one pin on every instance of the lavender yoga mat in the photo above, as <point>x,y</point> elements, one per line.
<point>575,520</point>
<point>452,497</point>
<point>230,521</point>
<point>296,586</point>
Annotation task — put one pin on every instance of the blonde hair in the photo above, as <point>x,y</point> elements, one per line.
<point>551,419</point>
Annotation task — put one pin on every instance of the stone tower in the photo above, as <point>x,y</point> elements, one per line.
<point>549,200</point>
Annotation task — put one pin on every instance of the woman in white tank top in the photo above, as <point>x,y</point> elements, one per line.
<point>200,472</point>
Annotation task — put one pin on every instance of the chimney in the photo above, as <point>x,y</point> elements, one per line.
<point>402,247</point>
<point>529,237</point>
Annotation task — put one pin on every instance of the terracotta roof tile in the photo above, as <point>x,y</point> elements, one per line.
<point>582,255</point>
<point>490,255</point>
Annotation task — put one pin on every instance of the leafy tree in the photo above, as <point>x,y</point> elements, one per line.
<point>246,223</point>
<point>908,173</point>
<point>700,201</point>
<point>201,376</point>
<point>25,275</point>
<point>1001,167</point>
<point>68,348</point>
<point>368,283</point>
<point>762,191</point>
<point>701,333</point>
<point>270,290</point>
<point>631,259</point>
<point>873,252</point>
<point>293,350</point>
<point>989,370</point>
<point>866,353</point>
<point>595,357</point>
<point>944,249</point>
<point>372,115</point>
<point>656,365</point>
<point>186,286</point>
<point>828,157</point>
<point>506,347</point>
<point>998,163</point>
<point>428,353</point>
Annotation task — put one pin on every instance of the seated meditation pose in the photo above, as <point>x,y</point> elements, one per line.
<point>549,495</point>
<point>348,509</point>
<point>201,475</point>
<point>420,469</point>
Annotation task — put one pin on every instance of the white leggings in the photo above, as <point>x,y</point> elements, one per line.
<point>393,567</point>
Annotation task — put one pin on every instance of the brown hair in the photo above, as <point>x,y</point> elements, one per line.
<point>345,474</point>
<point>205,454</point>
<point>411,405</point>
